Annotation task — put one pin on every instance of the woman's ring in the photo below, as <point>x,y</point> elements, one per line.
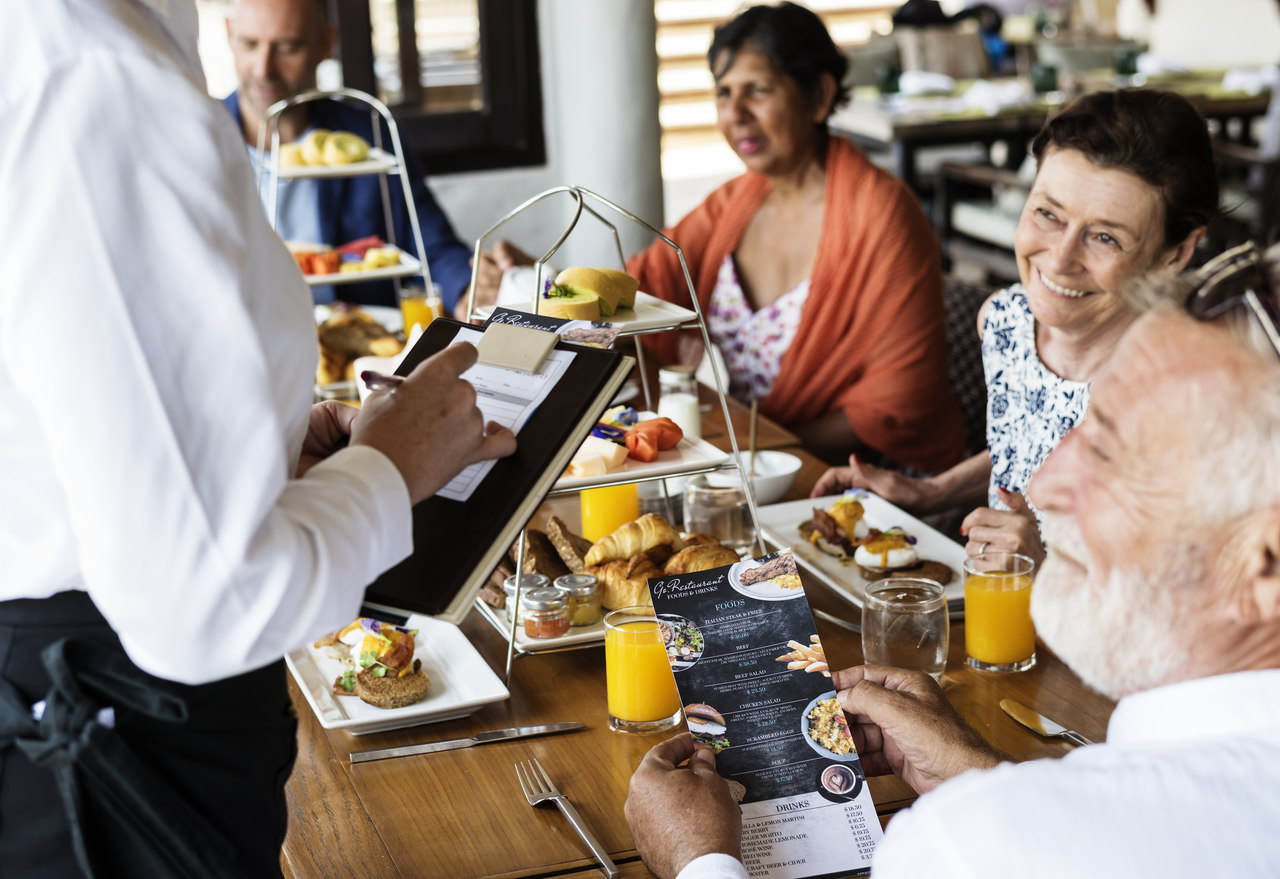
<point>983,547</point>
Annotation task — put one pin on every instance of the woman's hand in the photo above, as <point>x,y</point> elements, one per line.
<point>906,492</point>
<point>1012,530</point>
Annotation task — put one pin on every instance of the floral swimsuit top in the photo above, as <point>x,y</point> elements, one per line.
<point>752,342</point>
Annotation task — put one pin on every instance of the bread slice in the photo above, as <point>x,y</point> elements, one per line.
<point>392,692</point>
<point>569,546</point>
<point>540,556</point>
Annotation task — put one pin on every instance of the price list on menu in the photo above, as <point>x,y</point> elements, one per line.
<point>750,671</point>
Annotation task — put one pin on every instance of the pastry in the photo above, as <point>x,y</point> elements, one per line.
<point>348,334</point>
<point>648,531</point>
<point>702,557</point>
<point>312,146</point>
<point>570,305</point>
<point>625,582</point>
<point>614,289</point>
<point>343,148</point>
<point>291,155</point>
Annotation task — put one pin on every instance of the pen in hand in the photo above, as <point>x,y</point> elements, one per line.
<point>376,381</point>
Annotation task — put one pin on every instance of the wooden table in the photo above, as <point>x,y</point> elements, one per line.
<point>461,813</point>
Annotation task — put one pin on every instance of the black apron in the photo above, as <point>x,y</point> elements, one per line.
<point>188,783</point>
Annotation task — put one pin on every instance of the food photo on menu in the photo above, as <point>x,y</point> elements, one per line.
<point>756,688</point>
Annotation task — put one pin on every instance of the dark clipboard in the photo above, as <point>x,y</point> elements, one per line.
<point>457,545</point>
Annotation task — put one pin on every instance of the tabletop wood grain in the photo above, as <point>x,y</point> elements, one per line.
<point>461,813</point>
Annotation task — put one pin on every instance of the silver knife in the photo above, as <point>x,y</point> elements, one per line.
<point>484,738</point>
<point>1038,723</point>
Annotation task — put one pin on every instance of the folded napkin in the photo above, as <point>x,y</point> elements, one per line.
<point>992,97</point>
<point>1154,64</point>
<point>1251,80</point>
<point>922,82</point>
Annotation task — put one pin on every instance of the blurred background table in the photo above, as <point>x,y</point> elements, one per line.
<point>461,813</point>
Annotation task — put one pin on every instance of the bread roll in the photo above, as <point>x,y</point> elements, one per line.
<point>312,146</point>
<point>624,582</point>
<point>648,531</point>
<point>343,148</point>
<point>700,558</point>
<point>291,155</point>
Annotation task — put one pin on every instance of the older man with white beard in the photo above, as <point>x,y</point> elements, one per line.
<point>1161,589</point>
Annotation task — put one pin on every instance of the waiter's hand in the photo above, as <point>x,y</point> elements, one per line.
<point>680,813</point>
<point>429,426</point>
<point>493,263</point>
<point>1011,530</point>
<point>903,724</point>
<point>327,431</point>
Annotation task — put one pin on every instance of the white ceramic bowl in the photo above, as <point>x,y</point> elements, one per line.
<point>775,474</point>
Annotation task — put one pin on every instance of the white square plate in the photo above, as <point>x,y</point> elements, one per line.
<point>779,524</point>
<point>461,683</point>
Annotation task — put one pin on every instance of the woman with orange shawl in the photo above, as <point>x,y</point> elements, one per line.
<point>817,272</point>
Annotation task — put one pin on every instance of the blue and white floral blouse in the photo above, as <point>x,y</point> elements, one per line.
<point>1029,409</point>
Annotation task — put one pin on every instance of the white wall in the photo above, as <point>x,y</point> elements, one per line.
<point>600,117</point>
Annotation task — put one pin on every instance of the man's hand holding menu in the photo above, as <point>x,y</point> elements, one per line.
<point>902,724</point>
<point>680,812</point>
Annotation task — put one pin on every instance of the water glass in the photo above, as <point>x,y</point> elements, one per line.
<point>905,624</point>
<point>641,687</point>
<point>998,633</point>
<point>720,509</point>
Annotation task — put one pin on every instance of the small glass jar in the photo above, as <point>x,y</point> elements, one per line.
<point>584,598</point>
<point>545,612</point>
<point>528,582</point>
<point>678,398</point>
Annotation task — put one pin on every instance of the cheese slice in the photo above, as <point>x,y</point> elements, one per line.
<point>596,457</point>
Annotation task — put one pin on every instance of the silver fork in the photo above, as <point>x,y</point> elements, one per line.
<point>538,788</point>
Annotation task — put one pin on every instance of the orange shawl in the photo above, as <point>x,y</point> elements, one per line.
<point>872,337</point>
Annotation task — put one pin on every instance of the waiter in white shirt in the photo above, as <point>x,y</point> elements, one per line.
<point>174,514</point>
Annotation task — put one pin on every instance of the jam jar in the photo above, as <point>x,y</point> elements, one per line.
<point>528,582</point>
<point>545,613</point>
<point>584,598</point>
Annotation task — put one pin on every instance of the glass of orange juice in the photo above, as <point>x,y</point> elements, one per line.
<point>998,634</point>
<point>604,510</point>
<point>641,686</point>
<point>418,306</point>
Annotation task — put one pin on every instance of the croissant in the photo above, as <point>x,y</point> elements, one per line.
<point>624,582</point>
<point>701,557</point>
<point>698,538</point>
<point>645,533</point>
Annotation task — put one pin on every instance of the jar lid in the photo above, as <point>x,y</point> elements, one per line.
<point>544,599</point>
<point>677,371</point>
<point>577,584</point>
<point>527,582</point>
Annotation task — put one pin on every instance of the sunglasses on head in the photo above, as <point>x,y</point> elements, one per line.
<point>1237,277</point>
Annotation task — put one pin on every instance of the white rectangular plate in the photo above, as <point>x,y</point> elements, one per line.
<point>578,635</point>
<point>780,523</point>
<point>649,313</point>
<point>461,683</point>
<point>409,265</point>
<point>378,162</point>
<point>389,317</point>
<point>689,454</point>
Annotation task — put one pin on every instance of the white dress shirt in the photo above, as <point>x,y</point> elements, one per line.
<point>157,354</point>
<point>1187,784</point>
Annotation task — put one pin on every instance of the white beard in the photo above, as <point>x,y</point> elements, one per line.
<point>1121,635</point>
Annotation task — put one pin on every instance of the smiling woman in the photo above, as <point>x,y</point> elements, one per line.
<point>1125,188</point>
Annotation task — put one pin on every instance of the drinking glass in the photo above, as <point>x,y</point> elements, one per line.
<point>417,306</point>
<point>606,509</point>
<point>905,624</point>
<point>719,508</point>
<point>998,634</point>
<point>642,692</point>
